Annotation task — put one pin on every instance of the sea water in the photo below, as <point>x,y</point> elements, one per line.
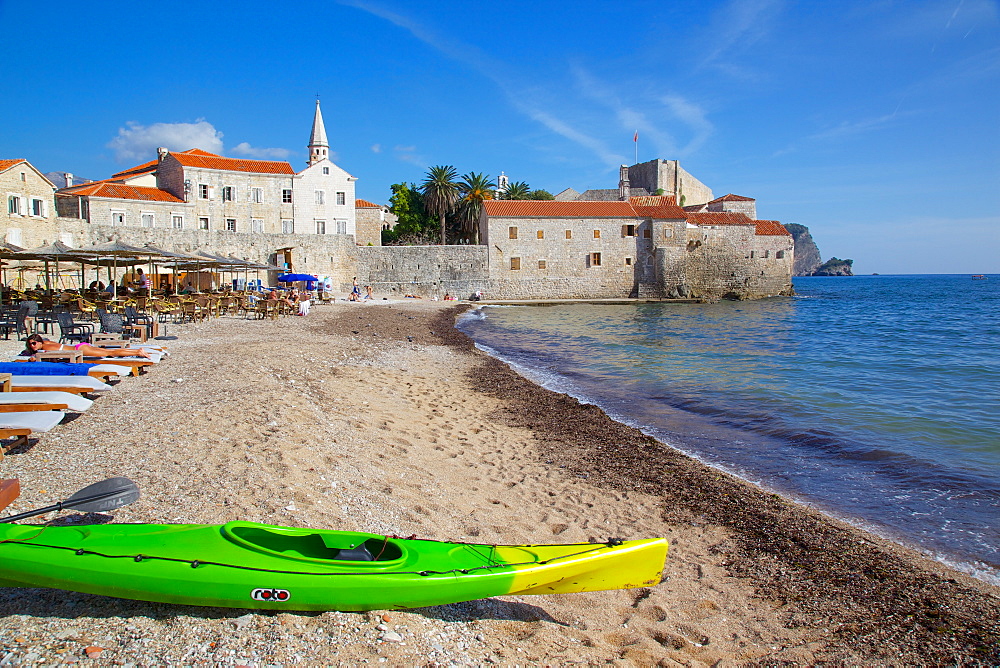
<point>875,399</point>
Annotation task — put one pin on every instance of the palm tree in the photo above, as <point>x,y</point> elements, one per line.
<point>440,193</point>
<point>474,189</point>
<point>517,190</point>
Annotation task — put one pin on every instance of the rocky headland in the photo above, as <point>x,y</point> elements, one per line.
<point>808,261</point>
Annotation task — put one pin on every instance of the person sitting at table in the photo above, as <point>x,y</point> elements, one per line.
<point>36,344</point>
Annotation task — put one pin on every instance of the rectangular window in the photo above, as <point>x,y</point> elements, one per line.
<point>286,196</point>
<point>203,190</point>
<point>668,232</point>
<point>147,219</point>
<point>628,262</point>
<point>320,227</point>
<point>288,227</point>
<point>326,170</point>
<point>541,234</point>
<point>541,264</point>
<point>257,195</point>
<point>14,204</point>
<point>515,263</point>
<point>595,259</point>
<point>647,233</point>
<point>512,232</point>
<point>256,225</point>
<point>569,234</point>
<point>320,197</point>
<point>341,198</point>
<point>627,231</point>
<point>177,222</point>
<point>341,227</point>
<point>752,254</point>
<point>203,223</point>
<point>780,255</point>
<point>767,254</point>
<point>38,208</point>
<point>14,236</point>
<point>227,193</point>
<point>597,234</point>
<point>118,218</point>
<point>230,224</point>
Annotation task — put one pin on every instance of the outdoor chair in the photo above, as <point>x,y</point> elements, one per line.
<point>23,323</point>
<point>114,323</point>
<point>70,331</point>
<point>136,319</point>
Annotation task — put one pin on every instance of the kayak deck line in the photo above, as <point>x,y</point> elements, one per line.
<point>197,563</point>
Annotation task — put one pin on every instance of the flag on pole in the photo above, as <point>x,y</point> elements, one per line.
<point>635,137</point>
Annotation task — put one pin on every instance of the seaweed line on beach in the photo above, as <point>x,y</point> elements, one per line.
<point>873,596</point>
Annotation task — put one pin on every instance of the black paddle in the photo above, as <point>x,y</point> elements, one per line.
<point>97,498</point>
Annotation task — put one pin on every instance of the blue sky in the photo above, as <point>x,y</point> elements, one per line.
<point>875,123</point>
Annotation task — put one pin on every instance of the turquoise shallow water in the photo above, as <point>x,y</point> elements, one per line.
<point>873,398</point>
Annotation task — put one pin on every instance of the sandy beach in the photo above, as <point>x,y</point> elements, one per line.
<point>382,417</point>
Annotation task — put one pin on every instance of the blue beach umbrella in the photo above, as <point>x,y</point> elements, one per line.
<point>292,278</point>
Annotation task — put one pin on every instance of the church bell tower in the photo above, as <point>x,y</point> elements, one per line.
<point>319,148</point>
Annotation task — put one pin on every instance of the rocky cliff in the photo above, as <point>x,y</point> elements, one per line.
<point>835,267</point>
<point>807,257</point>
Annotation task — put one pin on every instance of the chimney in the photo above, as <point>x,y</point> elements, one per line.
<point>69,179</point>
<point>161,153</point>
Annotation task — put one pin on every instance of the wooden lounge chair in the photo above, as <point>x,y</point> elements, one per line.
<point>10,489</point>
<point>18,426</point>
<point>72,384</point>
<point>65,400</point>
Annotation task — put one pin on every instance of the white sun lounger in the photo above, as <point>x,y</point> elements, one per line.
<point>116,369</point>
<point>60,383</point>
<point>73,401</point>
<point>33,420</point>
<point>20,425</point>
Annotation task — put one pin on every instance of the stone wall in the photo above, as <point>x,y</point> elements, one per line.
<point>672,178</point>
<point>330,255</point>
<point>426,271</point>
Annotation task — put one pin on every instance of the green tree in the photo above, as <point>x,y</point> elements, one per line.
<point>517,190</point>
<point>474,189</point>
<point>540,195</point>
<point>440,193</point>
<point>413,225</point>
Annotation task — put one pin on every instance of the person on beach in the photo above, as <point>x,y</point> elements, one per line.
<point>36,344</point>
<point>368,292</point>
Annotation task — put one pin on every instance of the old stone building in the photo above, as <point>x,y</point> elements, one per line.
<point>643,247</point>
<point>28,213</point>
<point>195,189</point>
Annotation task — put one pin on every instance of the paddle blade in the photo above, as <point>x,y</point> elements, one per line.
<point>103,496</point>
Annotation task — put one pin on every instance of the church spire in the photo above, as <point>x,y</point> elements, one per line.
<point>319,148</point>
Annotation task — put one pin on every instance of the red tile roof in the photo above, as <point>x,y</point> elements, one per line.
<point>205,160</point>
<point>732,198</point>
<point>121,191</point>
<point>365,204</point>
<point>144,168</point>
<point>718,218</point>
<point>527,208</point>
<point>771,228</point>
<point>652,200</point>
<point>7,164</point>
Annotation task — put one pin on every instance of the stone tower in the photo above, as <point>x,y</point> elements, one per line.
<point>624,190</point>
<point>319,148</point>
<point>502,184</point>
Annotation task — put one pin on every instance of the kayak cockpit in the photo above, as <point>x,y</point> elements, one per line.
<point>312,544</point>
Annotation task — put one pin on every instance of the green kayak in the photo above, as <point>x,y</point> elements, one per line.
<point>248,565</point>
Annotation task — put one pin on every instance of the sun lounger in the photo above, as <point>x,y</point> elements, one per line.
<point>21,425</point>
<point>73,402</point>
<point>10,489</point>
<point>74,384</point>
<point>102,369</point>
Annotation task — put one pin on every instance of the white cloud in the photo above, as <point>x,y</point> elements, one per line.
<point>243,148</point>
<point>376,148</point>
<point>139,142</point>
